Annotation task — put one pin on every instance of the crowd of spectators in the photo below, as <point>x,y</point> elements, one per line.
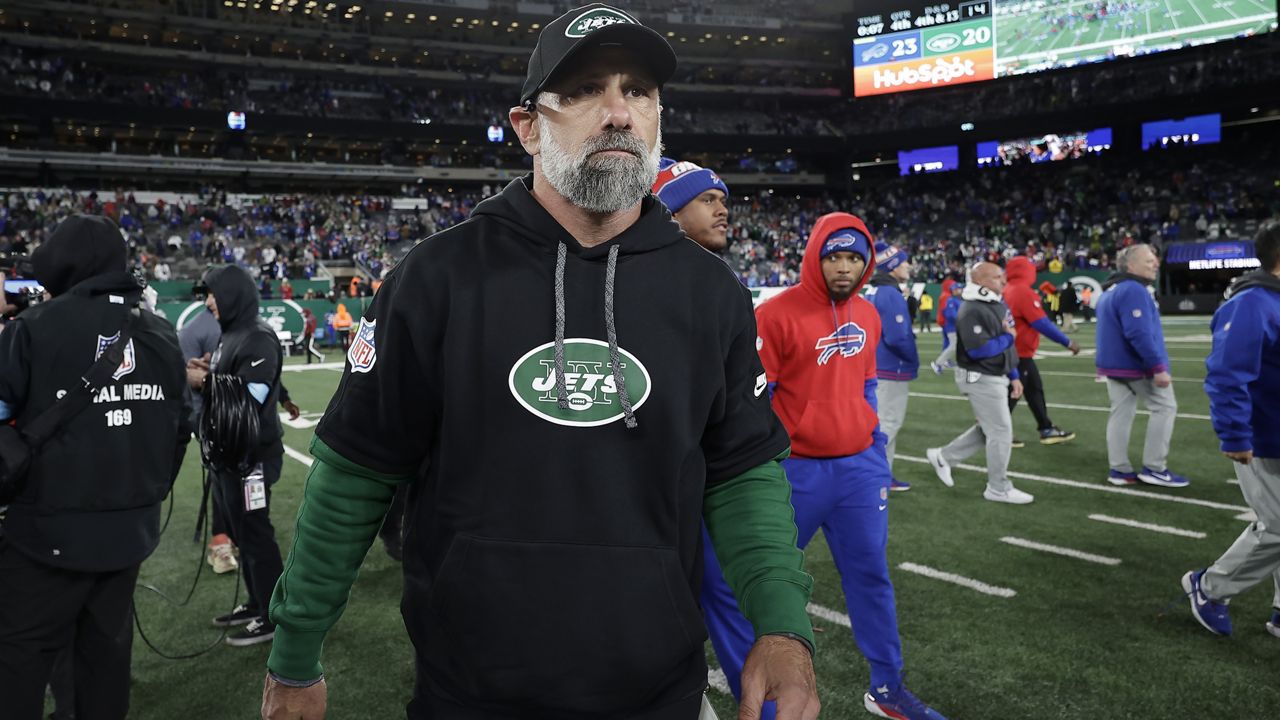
<point>229,87</point>
<point>274,237</point>
<point>1079,213</point>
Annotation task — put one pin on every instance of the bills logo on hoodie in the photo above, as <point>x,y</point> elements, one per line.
<point>363,352</point>
<point>128,365</point>
<point>848,340</point>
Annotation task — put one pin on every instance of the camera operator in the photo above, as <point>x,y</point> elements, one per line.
<point>241,388</point>
<point>86,512</point>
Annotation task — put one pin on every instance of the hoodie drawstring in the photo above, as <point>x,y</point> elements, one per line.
<point>615,364</point>
<point>611,270</point>
<point>562,393</point>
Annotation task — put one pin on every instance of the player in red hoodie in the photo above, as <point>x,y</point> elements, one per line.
<point>1031,322</point>
<point>818,345</point>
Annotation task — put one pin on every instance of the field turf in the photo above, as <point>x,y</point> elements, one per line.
<point>1023,34</point>
<point>1077,640</point>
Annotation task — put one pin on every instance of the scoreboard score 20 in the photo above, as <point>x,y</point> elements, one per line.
<point>901,46</point>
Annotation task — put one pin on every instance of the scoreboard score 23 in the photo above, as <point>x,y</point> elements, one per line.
<point>899,45</point>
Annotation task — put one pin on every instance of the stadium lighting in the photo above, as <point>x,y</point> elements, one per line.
<point>432,18</point>
<point>967,127</point>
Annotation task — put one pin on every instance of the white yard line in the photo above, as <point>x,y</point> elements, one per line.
<point>1167,530</point>
<point>975,585</point>
<point>300,456</point>
<point>1059,406</point>
<point>828,614</point>
<point>1056,550</point>
<point>303,367</point>
<point>1203,19</point>
<point>1096,487</point>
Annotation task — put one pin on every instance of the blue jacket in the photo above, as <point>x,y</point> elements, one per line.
<point>1243,382</point>
<point>1130,339</point>
<point>896,356</point>
<point>949,312</point>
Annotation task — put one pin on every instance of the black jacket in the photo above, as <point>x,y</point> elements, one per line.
<point>981,327</point>
<point>249,348</point>
<point>539,529</point>
<point>92,499</point>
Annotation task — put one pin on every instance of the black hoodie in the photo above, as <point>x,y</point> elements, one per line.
<point>249,348</point>
<point>92,497</point>
<point>552,562</point>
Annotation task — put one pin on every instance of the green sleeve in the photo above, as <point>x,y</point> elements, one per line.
<point>753,530</point>
<point>342,507</point>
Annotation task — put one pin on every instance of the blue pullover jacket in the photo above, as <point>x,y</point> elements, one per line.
<point>896,356</point>
<point>1130,339</point>
<point>1243,382</point>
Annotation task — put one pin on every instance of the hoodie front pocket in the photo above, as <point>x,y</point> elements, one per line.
<point>573,628</point>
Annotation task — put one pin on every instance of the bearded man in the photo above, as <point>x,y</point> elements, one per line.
<point>569,388</point>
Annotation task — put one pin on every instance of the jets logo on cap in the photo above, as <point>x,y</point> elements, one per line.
<point>592,20</point>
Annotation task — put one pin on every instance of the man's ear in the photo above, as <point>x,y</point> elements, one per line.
<point>525,125</point>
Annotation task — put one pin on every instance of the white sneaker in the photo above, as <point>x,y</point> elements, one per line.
<point>1012,496</point>
<point>940,466</point>
<point>937,369</point>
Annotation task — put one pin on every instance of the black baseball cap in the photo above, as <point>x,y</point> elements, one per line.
<point>594,25</point>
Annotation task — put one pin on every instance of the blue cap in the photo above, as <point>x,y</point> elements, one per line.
<point>846,240</point>
<point>889,257</point>
<point>679,183</point>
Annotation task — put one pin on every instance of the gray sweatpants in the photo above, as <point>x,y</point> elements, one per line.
<point>1160,402</point>
<point>1256,553</point>
<point>989,397</point>
<point>891,399</point>
<point>948,354</point>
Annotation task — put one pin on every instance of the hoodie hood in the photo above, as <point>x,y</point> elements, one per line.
<point>516,207</point>
<point>811,266</point>
<point>1257,278</point>
<point>524,215</point>
<point>1119,277</point>
<point>1020,271</point>
<point>81,247</point>
<point>974,291</point>
<point>237,297</point>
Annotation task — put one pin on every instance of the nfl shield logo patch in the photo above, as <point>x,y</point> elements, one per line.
<point>130,360</point>
<point>363,353</point>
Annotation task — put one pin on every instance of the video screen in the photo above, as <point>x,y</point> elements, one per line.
<point>901,45</point>
<point>1043,148</point>
<point>235,120</point>
<point>1194,130</point>
<point>929,160</point>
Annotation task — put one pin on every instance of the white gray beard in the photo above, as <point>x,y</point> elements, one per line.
<point>600,184</point>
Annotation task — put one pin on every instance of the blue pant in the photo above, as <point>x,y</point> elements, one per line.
<point>848,498</point>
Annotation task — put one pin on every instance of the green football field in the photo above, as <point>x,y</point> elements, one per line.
<point>1024,37</point>
<point>1063,637</point>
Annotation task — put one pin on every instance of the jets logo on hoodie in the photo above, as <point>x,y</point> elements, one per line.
<point>589,381</point>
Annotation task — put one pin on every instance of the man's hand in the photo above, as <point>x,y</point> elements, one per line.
<point>779,668</point>
<point>1244,458</point>
<point>1074,347</point>
<point>292,408</point>
<point>281,702</point>
<point>5,307</point>
<point>1015,389</point>
<point>1162,379</point>
<point>197,371</point>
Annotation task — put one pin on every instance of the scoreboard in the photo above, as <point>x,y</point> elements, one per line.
<point>902,46</point>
